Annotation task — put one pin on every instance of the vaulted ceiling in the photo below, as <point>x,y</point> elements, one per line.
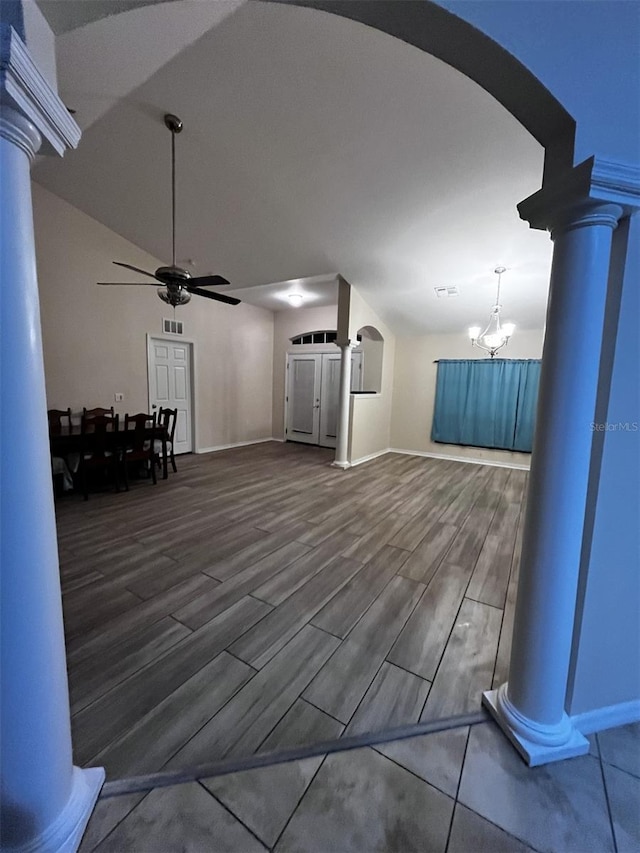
<point>312,145</point>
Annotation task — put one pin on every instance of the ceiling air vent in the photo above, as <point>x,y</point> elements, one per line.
<point>172,327</point>
<point>445,292</point>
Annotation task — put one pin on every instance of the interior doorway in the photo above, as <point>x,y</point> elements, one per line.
<point>170,378</point>
<point>311,400</point>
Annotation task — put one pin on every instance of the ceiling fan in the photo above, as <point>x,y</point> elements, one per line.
<point>178,283</point>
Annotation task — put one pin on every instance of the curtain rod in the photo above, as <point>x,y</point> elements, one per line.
<point>438,360</point>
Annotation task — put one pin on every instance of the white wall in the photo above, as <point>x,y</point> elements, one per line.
<point>370,415</point>
<point>94,338</point>
<point>414,391</point>
<point>289,324</point>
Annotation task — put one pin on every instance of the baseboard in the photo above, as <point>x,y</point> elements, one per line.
<point>607,717</point>
<point>235,444</point>
<point>369,457</point>
<point>472,460</point>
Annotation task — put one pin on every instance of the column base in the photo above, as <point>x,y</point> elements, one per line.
<point>537,745</point>
<point>342,465</point>
<point>65,833</point>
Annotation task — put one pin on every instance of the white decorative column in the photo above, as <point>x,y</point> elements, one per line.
<point>45,801</point>
<point>581,215</point>
<point>342,439</point>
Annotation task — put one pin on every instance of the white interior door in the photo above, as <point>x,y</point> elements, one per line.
<point>330,393</point>
<point>303,397</point>
<point>169,370</point>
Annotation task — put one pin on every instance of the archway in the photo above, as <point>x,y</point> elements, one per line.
<point>428,26</point>
<point>553,127</point>
<point>372,344</point>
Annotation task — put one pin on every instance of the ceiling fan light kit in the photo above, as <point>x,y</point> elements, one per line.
<point>178,284</point>
<point>496,335</point>
<point>178,297</point>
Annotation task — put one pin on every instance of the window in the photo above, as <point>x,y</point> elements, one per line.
<point>326,337</point>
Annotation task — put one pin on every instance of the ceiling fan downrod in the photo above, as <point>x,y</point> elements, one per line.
<point>175,126</point>
<point>178,284</point>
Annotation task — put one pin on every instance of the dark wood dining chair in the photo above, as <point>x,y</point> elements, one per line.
<point>56,417</point>
<point>168,419</point>
<point>99,448</point>
<point>97,412</point>
<point>137,445</point>
<point>59,467</point>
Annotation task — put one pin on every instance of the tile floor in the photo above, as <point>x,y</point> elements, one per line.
<point>462,791</point>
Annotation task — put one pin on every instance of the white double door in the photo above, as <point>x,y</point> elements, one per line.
<point>169,372</point>
<point>313,392</point>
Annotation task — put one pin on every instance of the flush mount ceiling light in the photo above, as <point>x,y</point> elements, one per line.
<point>296,299</point>
<point>496,335</point>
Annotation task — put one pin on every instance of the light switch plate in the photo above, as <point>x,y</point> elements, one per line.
<point>119,397</point>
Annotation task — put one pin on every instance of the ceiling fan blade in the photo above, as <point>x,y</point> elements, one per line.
<point>135,269</point>
<point>129,283</point>
<point>230,300</point>
<point>208,281</point>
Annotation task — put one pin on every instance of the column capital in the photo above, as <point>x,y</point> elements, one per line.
<point>19,130</point>
<point>348,344</point>
<point>596,192</point>
<point>23,90</point>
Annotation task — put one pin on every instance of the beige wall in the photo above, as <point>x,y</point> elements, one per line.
<point>94,338</point>
<point>370,416</point>
<point>415,388</point>
<point>94,341</point>
<point>289,324</point>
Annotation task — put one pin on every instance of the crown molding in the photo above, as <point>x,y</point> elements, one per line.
<point>23,88</point>
<point>590,184</point>
<point>618,183</point>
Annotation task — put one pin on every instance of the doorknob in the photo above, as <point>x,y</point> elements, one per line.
<point>154,406</point>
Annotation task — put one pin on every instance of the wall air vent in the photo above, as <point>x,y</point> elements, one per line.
<point>446,292</point>
<point>172,327</point>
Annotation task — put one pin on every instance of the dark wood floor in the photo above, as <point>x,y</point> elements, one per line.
<point>260,599</point>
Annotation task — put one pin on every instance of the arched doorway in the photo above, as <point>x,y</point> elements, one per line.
<point>372,344</point>
<point>583,262</point>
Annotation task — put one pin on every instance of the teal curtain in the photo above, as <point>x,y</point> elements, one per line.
<point>486,402</point>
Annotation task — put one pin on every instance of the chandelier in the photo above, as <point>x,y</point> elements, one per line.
<point>496,335</point>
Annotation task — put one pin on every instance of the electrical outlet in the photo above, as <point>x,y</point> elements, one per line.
<point>119,397</point>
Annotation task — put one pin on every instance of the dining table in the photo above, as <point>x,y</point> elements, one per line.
<point>68,440</point>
